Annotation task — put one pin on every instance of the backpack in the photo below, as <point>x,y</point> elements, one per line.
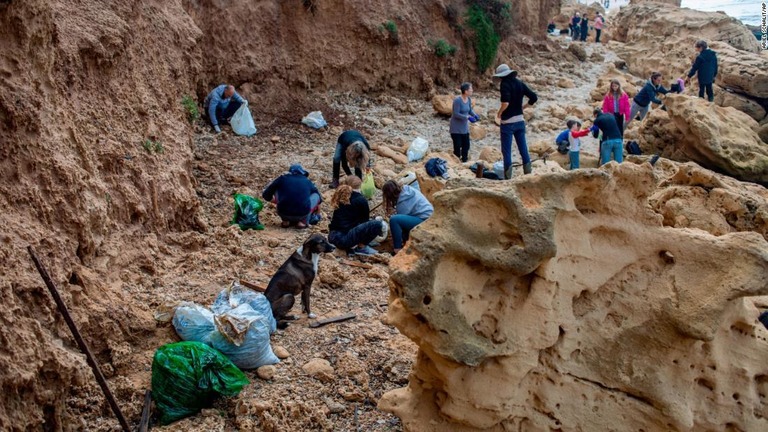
<point>633,148</point>
<point>437,167</point>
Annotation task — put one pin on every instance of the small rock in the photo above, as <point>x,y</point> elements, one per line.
<point>320,369</point>
<point>266,372</point>
<point>209,412</point>
<point>281,352</point>
<point>597,57</point>
<point>565,83</point>
<point>275,138</point>
<point>578,50</point>
<point>334,407</point>
<point>477,132</point>
<point>386,121</point>
<point>273,243</point>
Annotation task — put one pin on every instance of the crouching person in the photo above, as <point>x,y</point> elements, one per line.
<point>407,207</point>
<point>351,228</point>
<point>221,104</point>
<point>297,198</point>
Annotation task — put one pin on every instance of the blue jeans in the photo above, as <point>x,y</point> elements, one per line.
<point>614,146</point>
<point>224,114</point>
<point>574,157</point>
<point>401,226</point>
<point>508,131</point>
<point>361,234</point>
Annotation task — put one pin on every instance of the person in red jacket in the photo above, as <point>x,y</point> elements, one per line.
<point>616,102</point>
<point>574,126</point>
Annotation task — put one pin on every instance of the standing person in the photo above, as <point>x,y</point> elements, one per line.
<point>351,228</point>
<point>221,104</point>
<point>613,143</point>
<point>574,134</point>
<point>575,29</point>
<point>616,102</point>
<point>297,198</point>
<point>584,28</point>
<point>510,117</point>
<point>706,67</point>
<point>407,207</point>
<point>598,26</point>
<point>351,149</point>
<point>641,103</point>
<point>460,118</point>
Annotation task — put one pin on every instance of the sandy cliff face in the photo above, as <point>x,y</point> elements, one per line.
<point>568,301</point>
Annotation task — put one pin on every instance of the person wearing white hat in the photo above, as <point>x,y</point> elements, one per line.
<point>510,117</point>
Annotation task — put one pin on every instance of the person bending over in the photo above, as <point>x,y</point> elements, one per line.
<point>221,104</point>
<point>407,207</point>
<point>351,149</point>
<point>297,198</point>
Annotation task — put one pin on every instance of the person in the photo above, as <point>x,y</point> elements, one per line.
<point>351,228</point>
<point>574,134</point>
<point>351,149</point>
<point>221,104</point>
<point>407,208</point>
<point>705,66</point>
<point>641,103</point>
<point>616,102</point>
<point>510,117</point>
<point>551,26</point>
<point>598,26</point>
<point>575,29</point>
<point>460,118</point>
<point>584,28</point>
<point>297,198</point>
<point>613,142</point>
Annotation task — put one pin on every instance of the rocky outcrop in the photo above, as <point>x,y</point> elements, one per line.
<point>726,98</point>
<point>629,84</point>
<point>721,139</point>
<point>536,301</point>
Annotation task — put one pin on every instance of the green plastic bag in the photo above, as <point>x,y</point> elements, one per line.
<point>189,376</point>
<point>368,188</point>
<point>247,210</point>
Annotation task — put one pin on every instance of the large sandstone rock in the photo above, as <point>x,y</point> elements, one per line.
<point>477,132</point>
<point>744,104</point>
<point>722,139</point>
<point>629,84</point>
<point>568,301</point>
<point>643,22</point>
<point>443,104</point>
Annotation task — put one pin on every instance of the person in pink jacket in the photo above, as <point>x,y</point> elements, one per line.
<point>616,102</point>
<point>598,27</point>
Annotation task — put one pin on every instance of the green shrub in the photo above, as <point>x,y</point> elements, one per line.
<point>190,106</point>
<point>153,146</point>
<point>499,12</point>
<point>391,28</point>
<point>486,39</point>
<point>443,48</point>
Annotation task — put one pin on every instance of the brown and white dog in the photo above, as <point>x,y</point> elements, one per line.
<point>295,277</point>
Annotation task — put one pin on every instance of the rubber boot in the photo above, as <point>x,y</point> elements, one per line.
<point>508,173</point>
<point>527,168</point>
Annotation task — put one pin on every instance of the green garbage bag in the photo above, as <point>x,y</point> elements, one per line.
<point>247,210</point>
<point>188,376</point>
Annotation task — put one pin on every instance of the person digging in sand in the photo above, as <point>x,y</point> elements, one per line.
<point>297,198</point>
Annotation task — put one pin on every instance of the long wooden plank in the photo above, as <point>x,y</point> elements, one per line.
<point>253,286</point>
<point>322,322</point>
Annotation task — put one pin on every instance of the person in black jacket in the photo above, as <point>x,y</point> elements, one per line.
<point>575,28</point>
<point>350,227</point>
<point>584,28</point>
<point>510,117</point>
<point>641,103</point>
<point>706,67</point>
<point>351,147</point>
<point>612,143</point>
<point>297,198</point>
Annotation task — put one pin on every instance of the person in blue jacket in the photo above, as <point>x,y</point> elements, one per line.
<point>407,207</point>
<point>297,198</point>
<point>641,103</point>
<point>221,104</point>
<point>705,66</point>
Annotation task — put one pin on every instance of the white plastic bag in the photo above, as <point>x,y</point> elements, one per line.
<point>193,323</point>
<point>498,169</point>
<point>242,121</point>
<point>314,120</point>
<point>384,230</point>
<point>417,149</point>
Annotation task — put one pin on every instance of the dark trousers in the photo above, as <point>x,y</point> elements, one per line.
<point>584,34</point>
<point>361,234</point>
<point>223,115</point>
<point>575,32</point>
<point>461,146</point>
<point>597,35</point>
<point>709,91</point>
<point>340,161</point>
<point>620,121</point>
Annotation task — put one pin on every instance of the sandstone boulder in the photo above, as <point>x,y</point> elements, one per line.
<point>443,104</point>
<point>565,83</point>
<point>490,154</point>
<point>477,132</point>
<point>744,104</point>
<point>722,139</point>
<point>320,369</point>
<point>629,84</point>
<point>578,50</point>
<point>581,297</point>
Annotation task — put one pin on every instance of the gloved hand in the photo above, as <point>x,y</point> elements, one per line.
<point>217,129</point>
<point>474,118</point>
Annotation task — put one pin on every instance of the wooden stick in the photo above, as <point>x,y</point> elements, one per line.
<point>357,264</point>
<point>145,412</point>
<point>79,339</point>
<point>253,286</point>
<point>322,322</point>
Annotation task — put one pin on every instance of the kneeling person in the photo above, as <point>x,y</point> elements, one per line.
<point>297,198</point>
<point>351,228</point>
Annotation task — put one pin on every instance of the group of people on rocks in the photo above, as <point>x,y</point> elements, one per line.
<point>298,199</point>
<point>578,26</point>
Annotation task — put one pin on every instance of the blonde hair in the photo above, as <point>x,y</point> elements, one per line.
<point>357,155</point>
<point>341,196</point>
<point>352,181</point>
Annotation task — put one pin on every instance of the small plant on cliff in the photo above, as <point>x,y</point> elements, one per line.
<point>498,12</point>
<point>391,28</point>
<point>486,40</point>
<point>442,48</point>
<point>190,106</point>
<point>153,146</point>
